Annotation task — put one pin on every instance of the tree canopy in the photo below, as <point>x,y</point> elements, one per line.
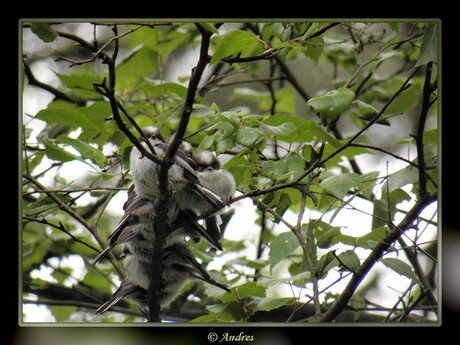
<point>330,130</point>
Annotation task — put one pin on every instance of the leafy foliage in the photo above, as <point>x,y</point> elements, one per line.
<point>303,113</point>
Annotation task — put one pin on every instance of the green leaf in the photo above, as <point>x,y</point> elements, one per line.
<point>401,268</point>
<point>325,239</point>
<point>268,303</point>
<point>325,263</point>
<point>430,136</point>
<point>306,130</point>
<point>281,247</point>
<point>248,136</point>
<point>285,280</point>
<point>379,213</point>
<point>367,112</point>
<point>228,312</point>
<point>368,240</point>
<point>406,100</point>
<point>284,202</point>
<point>133,70</point>
<point>339,185</point>
<point>154,88</point>
<point>256,264</point>
<point>210,27</point>
<point>62,313</point>
<point>235,43</point>
<point>394,26</point>
<point>64,113</point>
<point>429,47</point>
<point>94,278</point>
<point>86,150</point>
<point>314,49</point>
<point>350,260</point>
<point>44,31</point>
<point>82,84</point>
<point>332,104</point>
<point>248,289</point>
<point>282,129</point>
<point>57,153</point>
<point>401,178</point>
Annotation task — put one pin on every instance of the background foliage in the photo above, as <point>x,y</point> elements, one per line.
<point>330,130</point>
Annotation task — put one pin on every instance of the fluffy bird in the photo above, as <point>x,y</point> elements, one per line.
<point>213,177</point>
<point>182,176</point>
<point>179,266</point>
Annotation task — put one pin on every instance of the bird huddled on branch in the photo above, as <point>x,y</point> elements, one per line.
<point>200,191</point>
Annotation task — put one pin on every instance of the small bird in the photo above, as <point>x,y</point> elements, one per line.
<point>212,176</point>
<point>218,180</point>
<point>182,177</point>
<point>179,266</point>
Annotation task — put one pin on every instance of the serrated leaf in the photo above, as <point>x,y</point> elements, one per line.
<point>235,43</point>
<point>314,49</point>
<point>281,247</point>
<point>339,185</point>
<point>332,103</point>
<point>350,260</point>
<point>429,47</point>
<point>44,31</point>
<point>401,268</point>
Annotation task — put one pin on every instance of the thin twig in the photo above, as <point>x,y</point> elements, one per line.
<point>62,228</point>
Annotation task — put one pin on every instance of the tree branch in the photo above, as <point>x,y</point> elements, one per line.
<point>421,129</point>
<point>58,94</point>
<point>375,255</point>
<point>161,210</point>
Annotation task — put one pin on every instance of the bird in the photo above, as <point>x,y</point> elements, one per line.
<point>182,177</point>
<point>213,177</point>
<point>179,266</point>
